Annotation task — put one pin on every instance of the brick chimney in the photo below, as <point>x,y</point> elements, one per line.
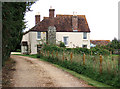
<point>37,18</point>
<point>75,22</point>
<point>51,12</point>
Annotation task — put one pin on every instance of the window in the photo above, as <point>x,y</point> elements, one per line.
<point>38,35</point>
<point>84,46</point>
<point>65,39</point>
<point>85,35</point>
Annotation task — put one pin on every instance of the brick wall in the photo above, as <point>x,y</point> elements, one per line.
<point>37,19</point>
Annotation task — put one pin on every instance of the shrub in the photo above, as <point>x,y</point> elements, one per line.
<point>18,50</point>
<point>95,50</point>
<point>62,44</point>
<point>98,50</point>
<point>68,49</point>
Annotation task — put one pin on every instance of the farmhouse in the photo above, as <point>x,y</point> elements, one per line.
<point>73,30</point>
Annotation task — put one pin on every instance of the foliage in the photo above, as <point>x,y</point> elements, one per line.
<point>81,50</point>
<point>18,50</point>
<point>51,47</point>
<point>62,44</point>
<point>95,50</point>
<point>115,44</point>
<point>99,50</point>
<point>107,78</point>
<point>13,24</point>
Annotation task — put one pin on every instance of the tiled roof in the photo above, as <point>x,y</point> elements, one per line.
<point>100,42</point>
<point>63,23</point>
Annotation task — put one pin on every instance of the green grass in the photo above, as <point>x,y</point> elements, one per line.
<point>115,55</point>
<point>33,56</point>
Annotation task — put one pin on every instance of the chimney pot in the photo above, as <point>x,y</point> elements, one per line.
<point>51,13</point>
<point>37,18</point>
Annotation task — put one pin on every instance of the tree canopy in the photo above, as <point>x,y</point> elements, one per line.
<point>13,24</point>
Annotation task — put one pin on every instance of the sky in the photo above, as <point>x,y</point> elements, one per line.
<point>101,15</point>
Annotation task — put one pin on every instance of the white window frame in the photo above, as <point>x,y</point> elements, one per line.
<point>38,35</point>
<point>64,40</point>
<point>84,35</point>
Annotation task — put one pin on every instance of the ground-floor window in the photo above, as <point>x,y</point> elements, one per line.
<point>84,46</point>
<point>65,40</point>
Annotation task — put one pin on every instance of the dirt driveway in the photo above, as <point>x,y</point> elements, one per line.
<point>31,72</point>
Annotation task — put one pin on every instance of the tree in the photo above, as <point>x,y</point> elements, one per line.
<point>13,24</point>
<point>114,45</point>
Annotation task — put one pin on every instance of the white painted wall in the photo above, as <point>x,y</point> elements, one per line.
<point>75,39</point>
<point>34,41</point>
<point>86,41</point>
<point>24,38</point>
<point>31,38</point>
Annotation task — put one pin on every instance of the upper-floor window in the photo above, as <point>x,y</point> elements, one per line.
<point>38,35</point>
<point>84,35</point>
<point>65,39</point>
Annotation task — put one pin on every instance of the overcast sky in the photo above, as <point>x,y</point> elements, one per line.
<point>101,15</point>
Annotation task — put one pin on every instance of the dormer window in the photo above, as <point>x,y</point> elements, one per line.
<point>84,35</point>
<point>38,35</point>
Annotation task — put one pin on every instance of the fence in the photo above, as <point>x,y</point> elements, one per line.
<point>99,63</point>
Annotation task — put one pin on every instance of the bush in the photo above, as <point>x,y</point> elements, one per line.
<point>62,44</point>
<point>52,47</point>
<point>95,50</point>
<point>82,50</point>
<point>99,50</point>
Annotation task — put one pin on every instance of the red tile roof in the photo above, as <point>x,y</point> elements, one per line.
<point>63,23</point>
<point>100,42</point>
